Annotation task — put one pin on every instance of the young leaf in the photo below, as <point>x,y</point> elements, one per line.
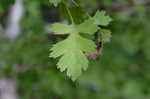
<point>58,28</point>
<point>101,19</point>
<point>71,51</point>
<point>55,2</point>
<point>88,27</point>
<point>106,35</point>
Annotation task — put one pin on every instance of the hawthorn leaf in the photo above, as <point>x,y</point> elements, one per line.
<point>101,19</point>
<point>106,35</point>
<point>71,52</point>
<point>88,27</point>
<point>55,2</point>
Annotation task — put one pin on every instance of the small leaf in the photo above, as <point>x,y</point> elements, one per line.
<point>55,2</point>
<point>101,19</point>
<point>58,28</point>
<point>106,35</point>
<point>88,27</point>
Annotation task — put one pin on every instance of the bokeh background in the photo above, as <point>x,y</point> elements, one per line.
<point>26,71</point>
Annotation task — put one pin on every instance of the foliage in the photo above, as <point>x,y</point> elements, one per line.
<point>75,45</point>
<point>121,73</point>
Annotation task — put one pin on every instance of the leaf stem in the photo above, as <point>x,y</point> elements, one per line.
<point>75,3</point>
<point>70,15</point>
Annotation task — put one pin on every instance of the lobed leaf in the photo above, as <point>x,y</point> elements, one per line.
<point>58,28</point>
<point>72,55</point>
<point>88,27</point>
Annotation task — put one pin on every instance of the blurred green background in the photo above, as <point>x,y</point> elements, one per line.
<point>123,71</point>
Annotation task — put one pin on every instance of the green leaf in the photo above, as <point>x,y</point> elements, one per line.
<point>58,28</point>
<point>88,27</point>
<point>72,55</point>
<point>106,35</point>
<point>55,2</point>
<point>101,19</point>
<point>76,63</point>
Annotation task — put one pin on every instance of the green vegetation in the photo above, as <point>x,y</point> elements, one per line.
<point>121,72</point>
